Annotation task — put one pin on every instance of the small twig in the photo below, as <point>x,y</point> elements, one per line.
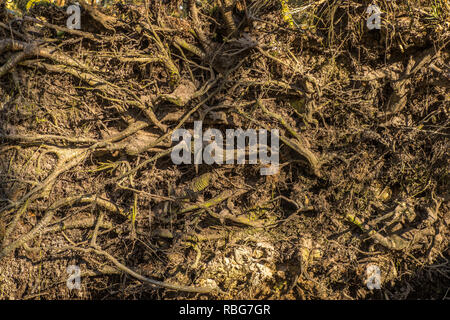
<point>45,138</point>
<point>97,226</point>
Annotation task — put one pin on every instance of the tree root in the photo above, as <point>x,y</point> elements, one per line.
<point>297,145</point>
<point>392,244</point>
<point>214,201</point>
<point>140,277</point>
<point>78,224</point>
<point>226,7</point>
<point>49,52</point>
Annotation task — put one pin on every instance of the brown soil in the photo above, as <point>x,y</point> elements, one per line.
<point>86,176</point>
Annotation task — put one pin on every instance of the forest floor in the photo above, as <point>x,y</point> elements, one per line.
<point>359,208</point>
